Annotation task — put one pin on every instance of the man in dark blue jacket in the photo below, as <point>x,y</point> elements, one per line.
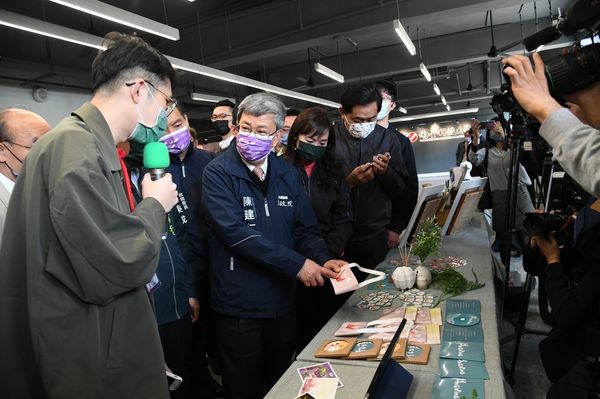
<point>262,236</point>
<point>187,167</point>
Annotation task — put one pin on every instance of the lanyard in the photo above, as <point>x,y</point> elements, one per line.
<point>126,179</point>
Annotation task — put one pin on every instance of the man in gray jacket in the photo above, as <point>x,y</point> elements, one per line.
<point>78,254</point>
<point>572,133</point>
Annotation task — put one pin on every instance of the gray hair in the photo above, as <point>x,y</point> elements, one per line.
<point>262,103</point>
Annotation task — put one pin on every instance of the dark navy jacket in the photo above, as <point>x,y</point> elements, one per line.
<point>187,175</point>
<point>171,301</point>
<point>253,264</point>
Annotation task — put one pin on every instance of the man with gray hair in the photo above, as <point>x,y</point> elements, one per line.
<point>263,236</point>
<point>19,129</point>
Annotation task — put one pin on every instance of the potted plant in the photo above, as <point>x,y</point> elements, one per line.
<point>427,241</point>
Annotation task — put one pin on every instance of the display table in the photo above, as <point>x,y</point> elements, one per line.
<point>473,245</point>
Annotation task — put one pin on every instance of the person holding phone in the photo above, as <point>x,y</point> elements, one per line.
<point>375,172</point>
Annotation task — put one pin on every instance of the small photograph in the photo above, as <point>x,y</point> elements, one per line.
<point>320,370</point>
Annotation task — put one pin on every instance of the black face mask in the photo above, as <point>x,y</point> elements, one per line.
<point>14,173</point>
<point>222,127</point>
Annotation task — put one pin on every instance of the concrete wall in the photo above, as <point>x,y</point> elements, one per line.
<point>59,103</point>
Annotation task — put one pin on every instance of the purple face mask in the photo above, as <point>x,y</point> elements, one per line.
<point>178,141</point>
<point>253,147</point>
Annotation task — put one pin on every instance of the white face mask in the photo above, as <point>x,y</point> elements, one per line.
<point>385,109</point>
<point>360,130</point>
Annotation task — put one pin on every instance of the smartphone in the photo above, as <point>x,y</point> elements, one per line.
<point>488,125</point>
<point>174,380</point>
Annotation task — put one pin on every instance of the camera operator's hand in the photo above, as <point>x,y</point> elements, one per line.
<point>530,87</point>
<point>548,247</point>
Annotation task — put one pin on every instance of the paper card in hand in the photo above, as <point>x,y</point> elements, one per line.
<point>347,282</point>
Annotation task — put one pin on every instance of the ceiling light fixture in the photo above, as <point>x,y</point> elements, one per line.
<point>425,72</point>
<point>209,98</point>
<point>402,109</point>
<point>43,28</point>
<point>330,73</point>
<point>230,77</point>
<point>444,100</point>
<point>436,89</point>
<point>448,107</point>
<point>120,16</point>
<point>404,37</point>
<point>32,25</point>
<point>435,115</point>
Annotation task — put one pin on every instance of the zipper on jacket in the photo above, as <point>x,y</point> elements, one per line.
<point>174,280</point>
<point>267,208</point>
<point>231,263</point>
<point>183,170</point>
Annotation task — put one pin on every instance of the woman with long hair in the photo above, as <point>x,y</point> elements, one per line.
<point>311,148</point>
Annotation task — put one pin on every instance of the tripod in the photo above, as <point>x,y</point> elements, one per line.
<point>511,205</point>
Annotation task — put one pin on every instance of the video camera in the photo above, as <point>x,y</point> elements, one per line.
<point>568,72</point>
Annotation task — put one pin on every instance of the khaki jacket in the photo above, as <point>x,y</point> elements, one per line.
<point>76,318</point>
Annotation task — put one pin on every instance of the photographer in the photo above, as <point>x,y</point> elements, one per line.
<point>498,170</point>
<point>570,353</point>
<point>572,133</point>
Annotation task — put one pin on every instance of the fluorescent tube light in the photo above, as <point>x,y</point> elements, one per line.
<point>435,115</point>
<point>230,77</point>
<point>209,98</point>
<point>120,16</point>
<point>322,69</point>
<point>404,37</point>
<point>448,107</point>
<point>436,89</point>
<point>17,21</point>
<point>444,100</point>
<point>425,72</point>
<point>402,109</point>
<point>43,28</point>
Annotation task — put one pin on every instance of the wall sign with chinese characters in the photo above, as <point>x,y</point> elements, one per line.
<point>435,131</point>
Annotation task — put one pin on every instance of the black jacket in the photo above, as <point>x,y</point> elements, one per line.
<point>332,207</point>
<point>406,201</point>
<point>372,201</point>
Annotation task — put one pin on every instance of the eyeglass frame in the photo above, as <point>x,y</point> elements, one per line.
<point>171,102</point>
<point>221,117</point>
<point>239,130</point>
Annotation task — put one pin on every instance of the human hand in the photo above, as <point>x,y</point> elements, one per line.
<point>360,175</point>
<point>380,163</point>
<point>311,274</point>
<point>335,265</point>
<point>163,190</point>
<point>194,309</point>
<point>530,86</point>
<point>548,247</point>
<point>393,239</point>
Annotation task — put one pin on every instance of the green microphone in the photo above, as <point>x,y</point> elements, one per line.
<point>156,159</point>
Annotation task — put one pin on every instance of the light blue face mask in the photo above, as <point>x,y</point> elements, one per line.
<point>385,110</point>
<point>143,134</point>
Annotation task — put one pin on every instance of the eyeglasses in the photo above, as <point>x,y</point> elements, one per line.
<point>250,131</point>
<point>171,102</point>
<point>220,117</point>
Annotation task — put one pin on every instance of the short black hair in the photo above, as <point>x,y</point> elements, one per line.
<point>292,112</point>
<point>360,95</point>
<point>126,56</point>
<point>388,87</point>
<point>225,103</point>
